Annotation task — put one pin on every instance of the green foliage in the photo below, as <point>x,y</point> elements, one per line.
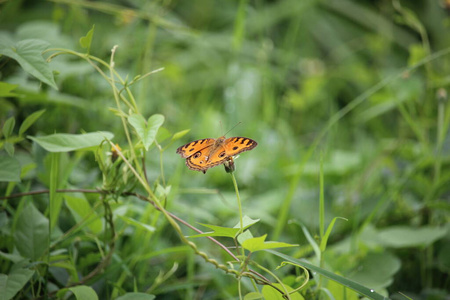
<point>348,101</point>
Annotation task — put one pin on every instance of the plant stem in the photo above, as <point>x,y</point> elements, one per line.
<point>241,220</point>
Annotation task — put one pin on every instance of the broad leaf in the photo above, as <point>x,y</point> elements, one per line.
<point>31,235</point>
<point>146,130</point>
<point>253,296</point>
<point>7,88</point>
<point>82,211</point>
<point>83,292</point>
<point>9,169</point>
<point>272,294</point>
<point>259,243</point>
<point>403,236</point>
<point>61,142</point>
<point>247,222</point>
<point>28,53</point>
<point>30,120</point>
<point>11,284</point>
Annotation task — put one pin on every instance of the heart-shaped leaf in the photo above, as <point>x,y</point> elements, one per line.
<point>147,132</point>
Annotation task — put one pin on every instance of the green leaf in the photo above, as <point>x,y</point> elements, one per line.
<point>218,231</point>
<point>136,296</point>
<point>9,169</point>
<point>6,88</point>
<point>8,127</point>
<point>247,222</point>
<point>272,294</point>
<point>253,296</point>
<point>244,236</point>
<point>61,142</point>
<point>311,241</point>
<point>323,242</point>
<point>83,292</point>
<point>30,121</point>
<point>31,234</point>
<point>403,236</point>
<point>9,147</point>
<point>28,53</point>
<point>227,231</point>
<point>371,294</point>
<point>147,132</point>
<point>11,284</point>
<point>137,224</point>
<point>82,211</point>
<point>55,199</point>
<point>86,41</point>
<point>376,270</point>
<point>259,243</point>
<point>180,134</point>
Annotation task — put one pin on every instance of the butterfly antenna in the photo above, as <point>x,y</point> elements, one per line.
<point>232,128</point>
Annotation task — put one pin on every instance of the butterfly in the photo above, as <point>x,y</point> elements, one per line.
<point>207,153</point>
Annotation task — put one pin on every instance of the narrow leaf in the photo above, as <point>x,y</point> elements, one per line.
<point>180,134</point>
<point>324,241</point>
<point>30,121</point>
<point>371,294</point>
<point>61,142</point>
<point>8,127</point>
<point>55,198</point>
<point>137,224</point>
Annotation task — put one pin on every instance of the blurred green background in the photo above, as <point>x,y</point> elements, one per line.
<point>359,86</point>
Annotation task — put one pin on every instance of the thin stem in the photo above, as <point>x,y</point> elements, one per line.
<point>241,220</point>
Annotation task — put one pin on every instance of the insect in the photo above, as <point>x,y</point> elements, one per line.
<point>207,153</point>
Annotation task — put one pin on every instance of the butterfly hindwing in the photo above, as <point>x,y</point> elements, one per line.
<point>203,160</point>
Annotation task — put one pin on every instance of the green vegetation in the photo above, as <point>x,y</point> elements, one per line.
<point>346,196</point>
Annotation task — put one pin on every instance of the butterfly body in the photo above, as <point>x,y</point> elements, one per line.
<point>207,153</point>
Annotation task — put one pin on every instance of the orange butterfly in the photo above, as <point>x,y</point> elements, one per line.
<point>207,153</point>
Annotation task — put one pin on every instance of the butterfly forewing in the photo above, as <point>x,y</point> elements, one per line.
<point>195,146</point>
<point>236,145</point>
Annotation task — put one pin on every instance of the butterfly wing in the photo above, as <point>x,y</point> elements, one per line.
<point>207,153</point>
<point>209,158</point>
<point>195,146</point>
<point>235,145</point>
<point>203,160</point>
